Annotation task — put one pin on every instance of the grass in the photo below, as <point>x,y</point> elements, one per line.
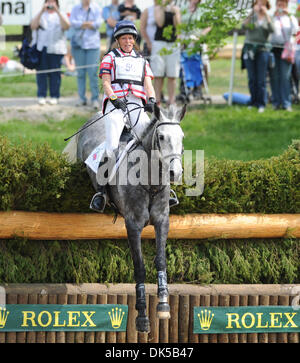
<point>237,133</point>
<point>52,132</point>
<point>223,132</point>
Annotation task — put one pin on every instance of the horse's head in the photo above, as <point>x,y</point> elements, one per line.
<point>168,140</point>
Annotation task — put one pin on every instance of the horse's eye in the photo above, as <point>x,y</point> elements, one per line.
<point>161,137</point>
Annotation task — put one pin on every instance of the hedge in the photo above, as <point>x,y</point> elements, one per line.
<point>230,261</point>
<point>40,179</point>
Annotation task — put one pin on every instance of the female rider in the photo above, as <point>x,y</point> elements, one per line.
<point>126,79</point>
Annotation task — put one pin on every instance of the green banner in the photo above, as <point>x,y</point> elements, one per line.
<point>52,317</point>
<point>246,319</point>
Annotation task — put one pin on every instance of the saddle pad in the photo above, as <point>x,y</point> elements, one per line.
<point>95,157</point>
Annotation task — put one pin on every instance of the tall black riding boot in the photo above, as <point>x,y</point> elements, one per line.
<point>98,201</point>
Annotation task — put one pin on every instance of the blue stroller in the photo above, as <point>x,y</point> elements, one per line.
<point>192,78</point>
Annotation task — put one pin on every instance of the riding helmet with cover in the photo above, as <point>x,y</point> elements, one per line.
<point>125,27</point>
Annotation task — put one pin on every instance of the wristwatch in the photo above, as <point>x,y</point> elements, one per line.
<point>113,97</point>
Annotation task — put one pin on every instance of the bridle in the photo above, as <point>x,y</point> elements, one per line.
<point>155,142</point>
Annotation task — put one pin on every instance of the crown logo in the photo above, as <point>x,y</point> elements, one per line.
<point>116,317</point>
<point>205,319</point>
<point>3,317</point>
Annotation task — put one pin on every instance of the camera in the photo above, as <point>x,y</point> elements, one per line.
<point>50,7</point>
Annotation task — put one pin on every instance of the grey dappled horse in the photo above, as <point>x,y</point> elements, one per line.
<point>141,205</point>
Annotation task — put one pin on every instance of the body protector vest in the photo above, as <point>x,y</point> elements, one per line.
<point>130,70</point>
<point>127,75</point>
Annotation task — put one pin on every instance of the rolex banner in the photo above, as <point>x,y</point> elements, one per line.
<point>246,319</point>
<point>63,317</point>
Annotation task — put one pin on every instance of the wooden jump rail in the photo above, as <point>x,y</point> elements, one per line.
<point>71,226</point>
<point>179,328</point>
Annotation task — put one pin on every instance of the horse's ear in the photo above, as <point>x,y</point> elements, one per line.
<point>180,114</point>
<point>156,112</point>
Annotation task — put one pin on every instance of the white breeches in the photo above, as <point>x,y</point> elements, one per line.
<point>115,121</point>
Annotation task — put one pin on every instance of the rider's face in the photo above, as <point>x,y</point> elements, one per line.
<point>126,42</point>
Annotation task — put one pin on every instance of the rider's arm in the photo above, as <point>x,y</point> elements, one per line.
<point>106,82</point>
<point>149,87</point>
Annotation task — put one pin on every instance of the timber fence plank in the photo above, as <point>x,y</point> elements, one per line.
<point>70,336</point>
<point>183,318</point>
<point>101,335</point>
<point>154,322</point>
<point>263,301</point>
<point>173,324</point>
<point>204,301</point>
<point>75,226</point>
<point>234,301</point>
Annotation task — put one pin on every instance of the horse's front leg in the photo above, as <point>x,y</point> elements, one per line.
<point>134,239</point>
<point>161,233</point>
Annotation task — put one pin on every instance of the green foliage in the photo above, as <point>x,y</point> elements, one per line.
<point>40,179</point>
<point>260,186</point>
<point>30,177</point>
<point>221,16</point>
<point>188,261</point>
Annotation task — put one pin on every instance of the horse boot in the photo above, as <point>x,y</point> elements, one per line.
<point>173,199</point>
<point>142,322</point>
<point>98,201</point>
<point>163,308</point>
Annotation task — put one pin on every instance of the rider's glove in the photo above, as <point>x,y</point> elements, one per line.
<point>118,103</point>
<point>149,107</point>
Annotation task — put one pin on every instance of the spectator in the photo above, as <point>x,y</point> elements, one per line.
<point>86,19</point>
<point>256,51</point>
<point>297,55</point>
<point>285,25</point>
<point>49,26</point>
<point>129,11</point>
<point>148,28</point>
<point>165,65</point>
<point>111,16</point>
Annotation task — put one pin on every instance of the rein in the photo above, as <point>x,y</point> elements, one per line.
<point>99,118</point>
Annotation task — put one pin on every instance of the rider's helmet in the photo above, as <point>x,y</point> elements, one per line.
<point>125,27</point>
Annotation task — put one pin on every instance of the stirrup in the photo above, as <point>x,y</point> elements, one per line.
<point>173,199</point>
<point>98,202</point>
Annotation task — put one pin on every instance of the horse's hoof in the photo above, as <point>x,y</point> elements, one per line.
<point>142,324</point>
<point>163,311</point>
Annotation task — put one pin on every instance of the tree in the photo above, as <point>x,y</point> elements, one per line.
<point>221,16</point>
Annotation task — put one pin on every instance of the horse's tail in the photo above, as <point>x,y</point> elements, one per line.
<point>70,151</point>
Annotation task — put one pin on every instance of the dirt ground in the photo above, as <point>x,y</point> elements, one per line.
<point>29,109</point>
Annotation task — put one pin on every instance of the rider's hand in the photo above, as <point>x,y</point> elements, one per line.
<point>118,103</point>
<point>149,107</point>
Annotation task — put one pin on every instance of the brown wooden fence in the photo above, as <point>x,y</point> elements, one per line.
<point>179,328</point>
<point>75,226</point>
